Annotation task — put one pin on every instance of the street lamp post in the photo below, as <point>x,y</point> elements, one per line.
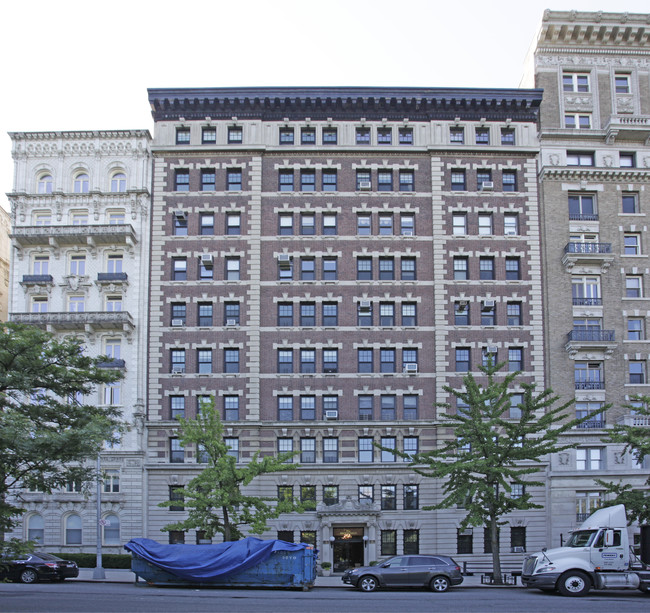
<point>98,572</point>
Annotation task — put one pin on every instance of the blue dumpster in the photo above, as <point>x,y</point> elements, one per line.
<point>250,562</point>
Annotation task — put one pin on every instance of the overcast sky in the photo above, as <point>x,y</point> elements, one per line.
<point>72,65</point>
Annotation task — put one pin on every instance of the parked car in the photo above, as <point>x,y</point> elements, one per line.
<point>32,567</point>
<point>436,572</point>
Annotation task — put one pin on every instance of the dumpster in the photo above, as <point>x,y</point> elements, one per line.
<point>251,562</point>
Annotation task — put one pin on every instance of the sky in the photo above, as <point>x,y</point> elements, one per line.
<point>72,65</point>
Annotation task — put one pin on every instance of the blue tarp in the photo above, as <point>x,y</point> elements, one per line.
<point>205,562</point>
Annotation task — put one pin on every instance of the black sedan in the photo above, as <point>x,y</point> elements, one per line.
<point>436,572</point>
<point>32,567</point>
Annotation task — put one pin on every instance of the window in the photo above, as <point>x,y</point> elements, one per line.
<point>630,203</point>
<point>633,286</point>
<point>73,530</point>
<point>513,272</point>
<point>207,224</point>
<point>411,498</point>
<point>330,314</point>
<point>235,135</point>
<point>579,158</point>
<point>461,313</point>
<point>176,496</point>
<point>363,180</point>
<point>308,408</point>
<point>517,536</point>
<point>330,269</point>
<point>43,219</point>
<point>627,160</point>
<point>363,225</point>
<point>410,443</point>
<point>485,224</point>
<point>45,183</point>
<point>516,401</point>
<point>204,360</point>
<point>202,402</point>
<point>507,136</point>
<point>388,405</point>
<point>457,136</point>
<point>113,348</point>
<point>575,82</point>
<point>81,183</point>
<point>459,224</point>
<point>487,540</point>
<point>285,314</point>
<point>179,225</point>
<point>206,270</point>
<point>588,375</point>
<point>387,314</point>
<point>285,446</point>
<point>388,442</point>
<point>231,313</point>
<point>482,177</point>
<point>580,121</point>
<point>330,360</point>
<point>384,136</point>
<point>233,223</point>
<point>408,270</point>
<point>330,136</point>
<point>307,361</point>
<point>386,268</point>
<point>329,180</point>
<point>177,406</point>
<point>461,268</point>
<point>622,83</point>
<point>405,136</point>
<point>307,269</point>
<point>482,136</point>
<point>366,449</point>
<point>177,360</point>
<point>464,541</point>
<point>208,180</point>
<point>636,369</point>
<point>208,136</point>
<point>589,458</point>
<point>78,265</point>
<point>76,304</point>
<point>409,359</point>
<point>364,360</point>
<point>364,269</point>
<point>586,291</point>
<point>41,265</point>
<point>385,225</point>
<point>307,136</point>
<point>407,224</point>
<point>118,182</point>
<point>79,218</point>
<point>114,304</point>
<point>286,225</point>
<point>307,314</point>
<point>233,269</point>
<point>307,456</point>
<point>286,181</point>
<point>587,503</point>
<point>307,180</point>
<point>509,180</point>
<point>488,313</point>
<point>286,136</point>
<point>176,537</point>
<point>231,360</point>
<point>389,543</point>
<point>486,268</point>
<point>385,181</point>
<point>387,360</point>
<point>182,136</point>
<point>35,529</point>
<point>388,498</point>
<point>285,408</point>
<point>632,244</point>
<point>515,359</point>
<point>511,224</point>
<point>176,451</point>
<point>308,224</point>
<point>462,359</point>
<point>363,136</point>
<point>329,224</point>
<point>330,495</point>
<point>513,312</point>
<point>366,494</point>
<point>458,181</point>
<point>330,450</point>
<point>406,181</point>
<point>365,407</point>
<point>285,269</point>
<point>234,180</point>
<point>233,444</point>
<point>635,329</point>
<point>409,314</point>
<point>182,181</point>
<point>111,479</point>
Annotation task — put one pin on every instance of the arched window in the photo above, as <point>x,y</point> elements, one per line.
<point>118,182</point>
<point>73,530</point>
<point>112,530</point>
<point>81,183</point>
<point>45,184</point>
<point>35,528</point>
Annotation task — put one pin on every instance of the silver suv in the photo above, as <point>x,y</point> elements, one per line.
<point>436,572</point>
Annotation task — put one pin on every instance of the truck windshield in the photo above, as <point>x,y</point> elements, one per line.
<point>581,538</point>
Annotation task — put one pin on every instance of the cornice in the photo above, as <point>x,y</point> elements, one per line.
<point>80,135</point>
<point>630,175</point>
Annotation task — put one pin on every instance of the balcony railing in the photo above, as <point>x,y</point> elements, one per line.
<point>591,336</point>
<point>113,364</point>
<point>592,424</point>
<point>111,277</point>
<point>594,248</point>
<point>98,320</point>
<point>29,279</point>
<point>105,234</point>
<point>590,385</point>
<point>583,216</point>
<point>587,301</point>
<point>634,420</point>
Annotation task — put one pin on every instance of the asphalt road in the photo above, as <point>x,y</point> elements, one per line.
<point>78,597</point>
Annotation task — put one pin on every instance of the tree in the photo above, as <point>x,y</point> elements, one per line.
<point>214,498</point>
<point>636,439</point>
<point>490,451</point>
<point>46,428</point>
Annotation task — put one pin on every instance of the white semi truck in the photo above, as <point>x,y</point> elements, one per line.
<point>596,556</point>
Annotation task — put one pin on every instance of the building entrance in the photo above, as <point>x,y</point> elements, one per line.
<point>348,548</point>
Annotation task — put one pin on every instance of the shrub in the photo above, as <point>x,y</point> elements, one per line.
<point>89,560</point>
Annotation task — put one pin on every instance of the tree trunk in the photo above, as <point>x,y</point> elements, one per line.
<point>496,558</point>
<point>226,525</point>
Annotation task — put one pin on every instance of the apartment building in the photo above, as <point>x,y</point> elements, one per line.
<point>593,176</point>
<point>5,250</point>
<point>80,214</point>
<point>324,262</point>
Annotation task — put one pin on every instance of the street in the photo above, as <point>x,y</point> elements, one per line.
<point>79,597</point>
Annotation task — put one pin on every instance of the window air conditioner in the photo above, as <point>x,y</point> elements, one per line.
<point>178,370</point>
<point>206,259</point>
<point>511,232</point>
<point>365,185</point>
<point>329,370</point>
<point>489,304</point>
<point>407,233</point>
<point>231,322</point>
<point>180,214</point>
<point>364,305</point>
<point>518,549</point>
<point>284,260</point>
<point>491,349</point>
<point>331,414</point>
<point>178,322</point>
<point>487,186</point>
<point>410,368</point>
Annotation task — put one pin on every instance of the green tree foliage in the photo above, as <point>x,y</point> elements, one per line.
<point>46,431</point>
<point>214,499</point>
<point>636,439</point>
<point>489,452</point>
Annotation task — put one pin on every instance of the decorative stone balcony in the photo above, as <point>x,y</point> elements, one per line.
<point>59,236</point>
<point>589,384</point>
<point>628,127</point>
<point>37,280</point>
<point>592,340</point>
<point>86,322</point>
<point>599,254</point>
<point>113,364</point>
<point>634,420</point>
<point>112,278</point>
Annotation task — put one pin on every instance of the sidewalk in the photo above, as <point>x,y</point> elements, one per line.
<point>126,576</point>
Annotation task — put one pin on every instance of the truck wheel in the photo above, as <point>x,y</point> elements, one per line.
<point>28,576</point>
<point>368,583</point>
<point>574,583</point>
<point>439,584</point>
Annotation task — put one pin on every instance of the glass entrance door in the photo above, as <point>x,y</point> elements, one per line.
<point>348,548</point>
